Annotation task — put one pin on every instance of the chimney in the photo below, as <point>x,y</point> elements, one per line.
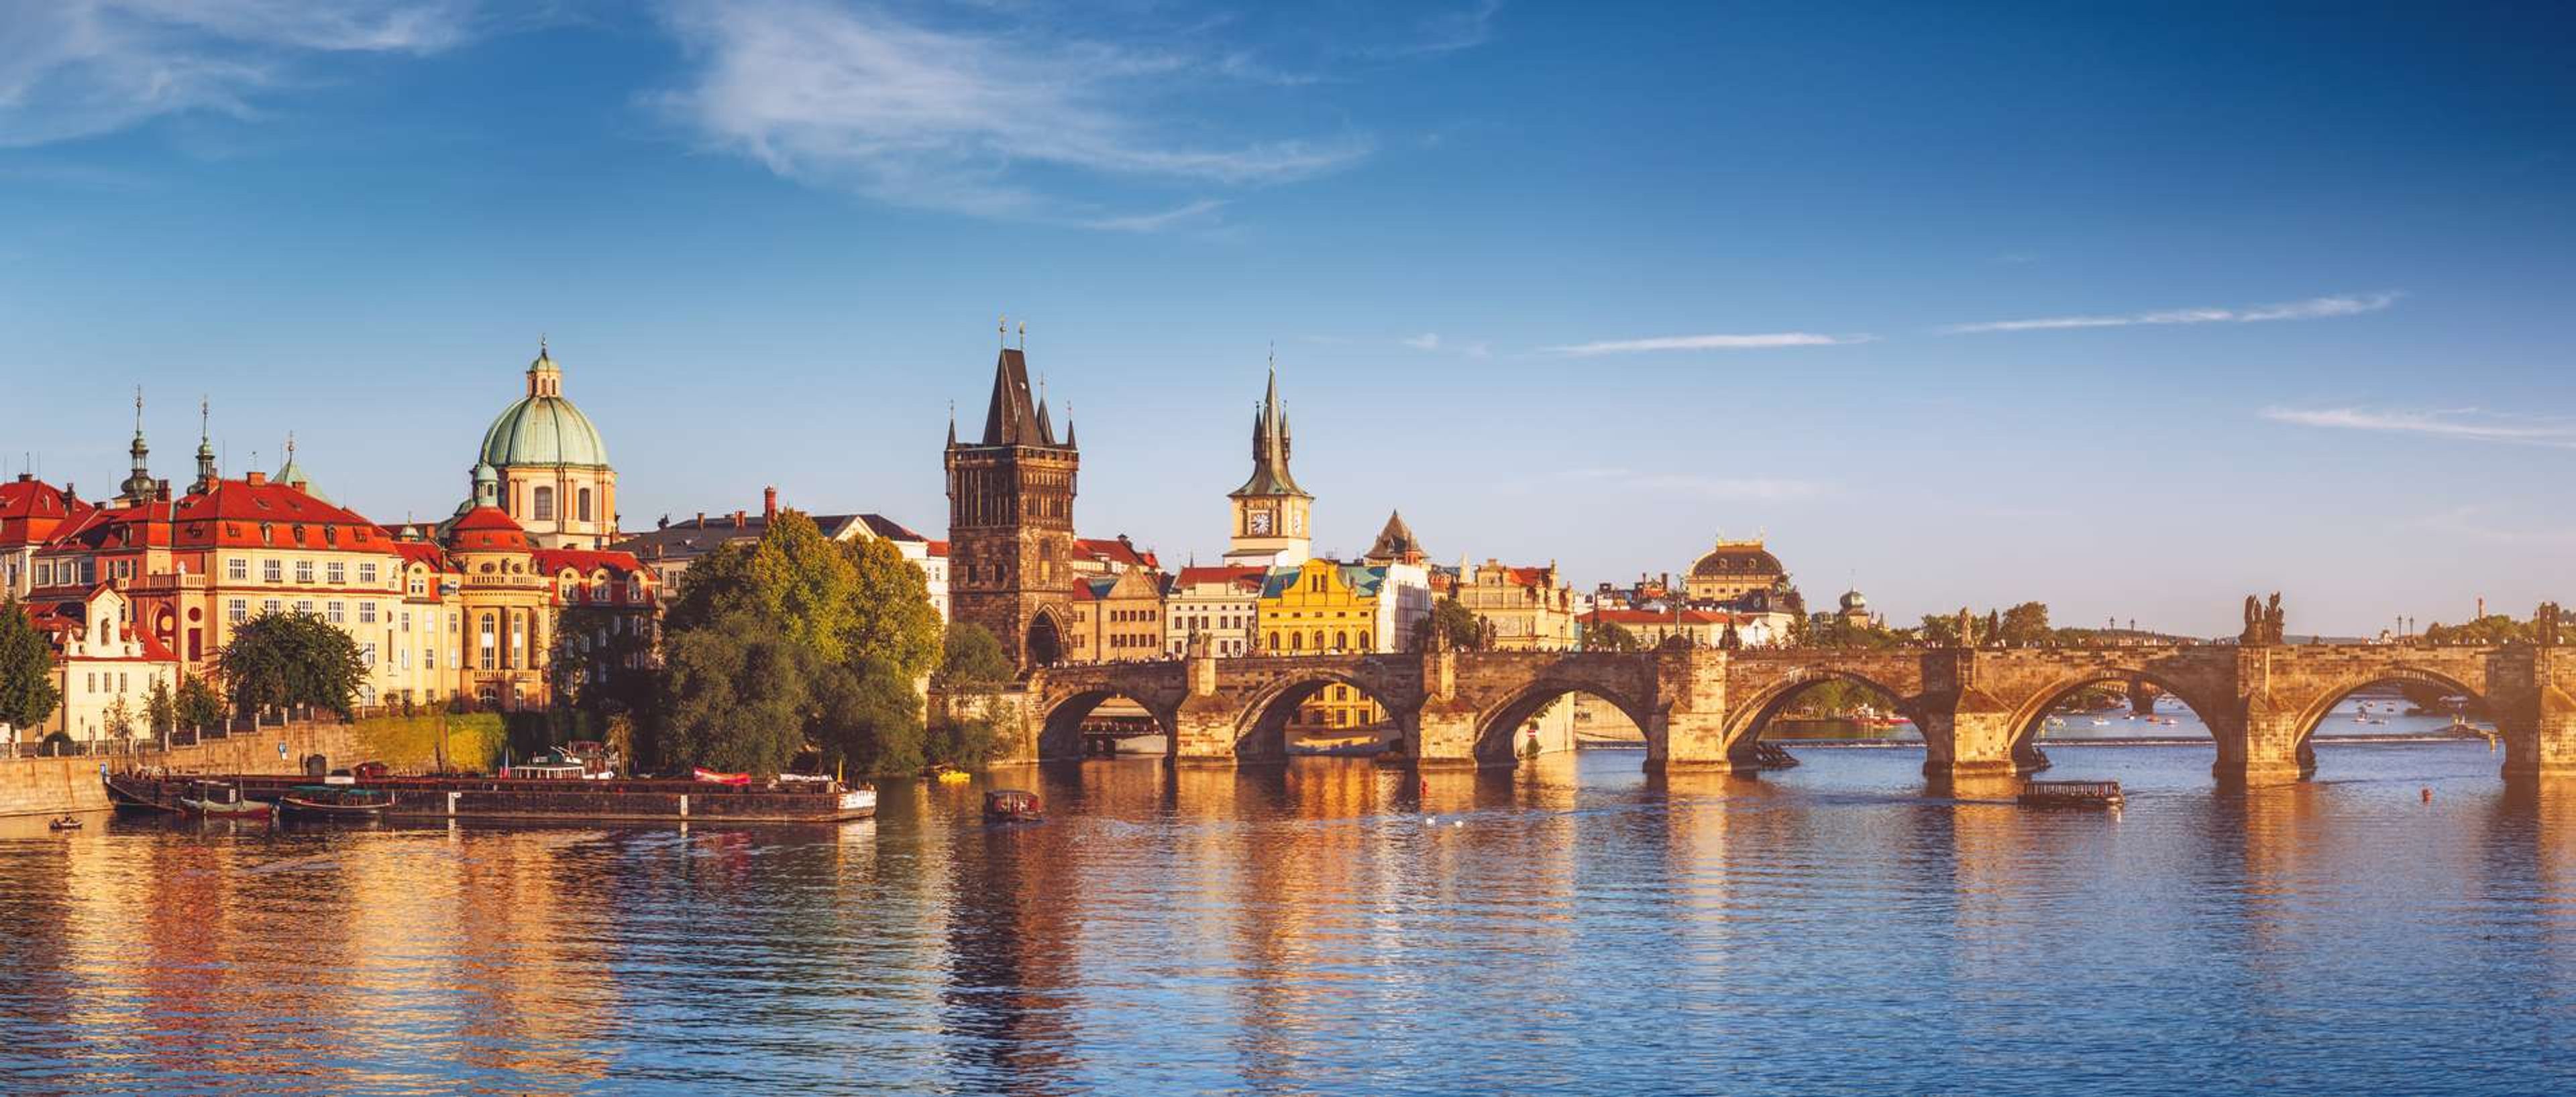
<point>738,517</point>
<point>256,478</point>
<point>702,519</point>
<point>769,504</point>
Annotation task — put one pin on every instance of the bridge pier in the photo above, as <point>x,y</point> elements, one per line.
<point>1203,733</point>
<point>1689,740</point>
<point>1442,736</point>
<point>2262,748</point>
<point>1969,739</point>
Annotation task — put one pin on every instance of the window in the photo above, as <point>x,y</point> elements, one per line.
<point>237,569</point>
<point>333,612</point>
<point>545,504</point>
<point>336,573</point>
<point>304,573</point>
<point>366,613</point>
<point>581,505</point>
<point>491,638</point>
<point>272,571</point>
<point>44,575</point>
<point>367,653</point>
<point>270,605</point>
<point>267,534</point>
<point>367,573</point>
<point>304,605</point>
<point>237,610</point>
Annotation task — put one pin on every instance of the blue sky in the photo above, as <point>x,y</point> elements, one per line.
<point>2131,310</point>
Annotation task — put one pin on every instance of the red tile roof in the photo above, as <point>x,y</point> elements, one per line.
<point>1237,574</point>
<point>231,512</point>
<point>486,528</point>
<point>585,561</point>
<point>1116,552</point>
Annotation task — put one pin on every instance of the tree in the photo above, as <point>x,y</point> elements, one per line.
<point>1452,625</point>
<point>797,640</point>
<point>199,706</point>
<point>27,691</point>
<point>1610,636</point>
<point>1940,630</point>
<point>160,712</point>
<point>2026,624</point>
<point>283,660</point>
<point>868,719</point>
<point>118,721</point>
<point>735,694</point>
<point>970,658</point>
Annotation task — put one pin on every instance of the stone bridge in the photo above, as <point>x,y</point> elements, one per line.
<point>1979,709</point>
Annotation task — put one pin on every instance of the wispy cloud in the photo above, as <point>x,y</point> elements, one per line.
<point>1429,340</point>
<point>956,119</point>
<point>80,68</point>
<point>1764,341</point>
<point>1200,211</point>
<point>2314,308</point>
<point>2467,424</point>
<point>1442,32</point>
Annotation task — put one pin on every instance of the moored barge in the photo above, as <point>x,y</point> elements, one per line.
<point>514,798</point>
<point>2071,794</point>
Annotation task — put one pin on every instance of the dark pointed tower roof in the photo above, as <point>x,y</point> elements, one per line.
<point>139,486</point>
<point>1396,543</point>
<point>1270,449</point>
<point>1011,418</point>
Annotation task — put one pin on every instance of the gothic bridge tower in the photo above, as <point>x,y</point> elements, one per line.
<point>1010,519</point>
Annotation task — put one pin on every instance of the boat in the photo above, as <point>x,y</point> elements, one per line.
<point>221,800</point>
<point>65,823</point>
<point>712,777</point>
<point>2071,794</point>
<point>1010,805</point>
<point>333,802</point>
<point>948,776</point>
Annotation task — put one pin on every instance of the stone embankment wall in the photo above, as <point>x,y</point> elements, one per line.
<point>52,786</point>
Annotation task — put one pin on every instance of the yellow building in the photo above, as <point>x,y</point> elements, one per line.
<point>1116,618</point>
<point>1530,609</point>
<point>1322,607</point>
<point>1732,569</point>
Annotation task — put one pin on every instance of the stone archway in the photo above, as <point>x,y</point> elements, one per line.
<point>1062,729</point>
<point>2031,716</point>
<point>1044,646</point>
<point>1745,723</point>
<point>1497,727</point>
<point>1261,729</point>
<point>2312,715</point>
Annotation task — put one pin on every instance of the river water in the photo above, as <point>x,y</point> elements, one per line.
<point>1577,926</point>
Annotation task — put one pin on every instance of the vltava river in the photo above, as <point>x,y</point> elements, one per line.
<point>1575,927</point>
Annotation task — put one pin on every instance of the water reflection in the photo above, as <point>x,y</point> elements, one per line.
<point>1571,925</point>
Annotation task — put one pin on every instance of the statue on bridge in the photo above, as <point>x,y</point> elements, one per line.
<point>2544,625</point>
<point>2253,633</point>
<point>1967,627</point>
<point>2274,629</point>
<point>1730,640</point>
<point>2263,621</point>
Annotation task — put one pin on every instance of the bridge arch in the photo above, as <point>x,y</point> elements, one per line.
<point>1746,721</point>
<point>1261,731</point>
<point>1497,724</point>
<point>2313,715</point>
<point>2032,716</point>
<point>1060,732</point>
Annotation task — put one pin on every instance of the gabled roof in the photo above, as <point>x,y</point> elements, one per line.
<point>1245,578</point>
<point>1396,540</point>
<point>1119,552</point>
<point>586,561</point>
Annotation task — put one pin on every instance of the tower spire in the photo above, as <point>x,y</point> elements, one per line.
<point>206,472</point>
<point>138,487</point>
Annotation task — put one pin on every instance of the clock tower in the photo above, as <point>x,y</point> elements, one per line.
<point>1270,510</point>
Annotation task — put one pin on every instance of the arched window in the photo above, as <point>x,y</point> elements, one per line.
<point>1364,644</point>
<point>1341,641</point>
<point>544,504</point>
<point>581,505</point>
<point>1296,641</point>
<point>1274,641</point>
<point>1319,639</point>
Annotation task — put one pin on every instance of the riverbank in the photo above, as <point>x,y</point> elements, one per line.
<point>58,786</point>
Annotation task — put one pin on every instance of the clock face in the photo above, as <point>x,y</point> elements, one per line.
<point>1258,522</point>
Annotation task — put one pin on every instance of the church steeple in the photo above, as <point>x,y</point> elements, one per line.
<point>1270,447</point>
<point>206,472</point>
<point>1270,510</point>
<point>139,486</point>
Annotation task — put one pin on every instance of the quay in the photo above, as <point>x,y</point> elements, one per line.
<point>526,799</point>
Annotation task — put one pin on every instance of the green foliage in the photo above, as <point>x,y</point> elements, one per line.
<point>2026,624</point>
<point>2494,628</point>
<point>199,706</point>
<point>410,743</point>
<point>1610,636</point>
<point>28,695</point>
<point>118,721</point>
<point>282,660</point>
<point>160,711</point>
<point>1834,632</point>
<point>1452,625</point>
<point>967,743</point>
<point>601,667</point>
<point>736,691</point>
<point>866,718</point>
<point>794,641</point>
<point>971,659</point>
<point>2023,625</point>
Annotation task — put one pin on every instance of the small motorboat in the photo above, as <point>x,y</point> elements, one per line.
<point>947,776</point>
<point>1010,805</point>
<point>221,800</point>
<point>67,822</point>
<point>713,777</point>
<point>2071,794</point>
<point>334,802</point>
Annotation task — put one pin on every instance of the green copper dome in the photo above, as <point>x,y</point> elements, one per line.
<point>543,428</point>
